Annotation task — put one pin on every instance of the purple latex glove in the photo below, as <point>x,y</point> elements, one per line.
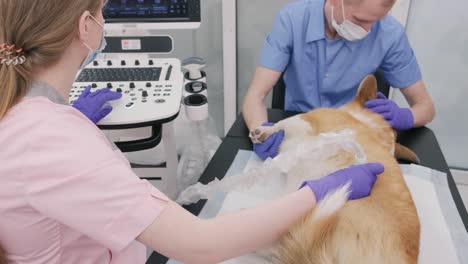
<point>270,147</point>
<point>398,118</point>
<point>361,179</point>
<point>92,104</point>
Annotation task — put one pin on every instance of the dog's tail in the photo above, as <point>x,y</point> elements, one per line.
<point>404,153</point>
<point>311,246</point>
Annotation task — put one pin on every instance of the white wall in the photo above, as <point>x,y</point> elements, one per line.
<point>206,42</point>
<point>438,32</point>
<point>255,19</point>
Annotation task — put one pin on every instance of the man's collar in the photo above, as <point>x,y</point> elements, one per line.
<point>316,25</point>
<point>350,44</point>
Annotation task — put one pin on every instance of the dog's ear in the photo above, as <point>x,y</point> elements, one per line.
<point>367,90</point>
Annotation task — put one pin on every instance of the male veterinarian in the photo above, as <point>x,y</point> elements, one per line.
<point>325,49</point>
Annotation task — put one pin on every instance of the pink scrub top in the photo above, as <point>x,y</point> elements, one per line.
<point>66,196</point>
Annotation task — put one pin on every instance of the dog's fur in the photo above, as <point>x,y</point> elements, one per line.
<point>382,228</point>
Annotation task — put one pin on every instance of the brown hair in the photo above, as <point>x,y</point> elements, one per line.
<point>43,29</point>
<point>3,258</point>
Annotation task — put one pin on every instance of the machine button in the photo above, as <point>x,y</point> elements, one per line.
<point>144,94</point>
<point>129,105</point>
<point>160,101</point>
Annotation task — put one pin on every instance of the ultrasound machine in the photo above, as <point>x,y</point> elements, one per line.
<point>151,86</point>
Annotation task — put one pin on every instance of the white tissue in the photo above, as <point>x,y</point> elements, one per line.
<point>284,173</point>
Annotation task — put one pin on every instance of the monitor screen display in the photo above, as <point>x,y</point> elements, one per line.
<point>151,10</point>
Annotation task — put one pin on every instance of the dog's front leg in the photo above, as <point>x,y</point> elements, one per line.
<point>261,133</point>
<point>294,127</point>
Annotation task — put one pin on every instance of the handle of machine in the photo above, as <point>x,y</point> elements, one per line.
<point>142,144</point>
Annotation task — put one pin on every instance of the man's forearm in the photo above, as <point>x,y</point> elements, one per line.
<point>421,103</point>
<point>423,112</point>
<point>254,112</point>
<point>254,109</point>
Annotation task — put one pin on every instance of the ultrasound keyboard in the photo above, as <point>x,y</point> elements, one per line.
<point>151,89</point>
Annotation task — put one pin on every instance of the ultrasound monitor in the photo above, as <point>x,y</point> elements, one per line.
<point>128,15</point>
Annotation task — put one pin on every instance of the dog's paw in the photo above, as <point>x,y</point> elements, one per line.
<point>260,134</point>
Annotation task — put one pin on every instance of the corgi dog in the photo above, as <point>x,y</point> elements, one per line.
<point>382,228</point>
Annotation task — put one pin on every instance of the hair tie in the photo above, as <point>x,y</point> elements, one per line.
<point>9,55</point>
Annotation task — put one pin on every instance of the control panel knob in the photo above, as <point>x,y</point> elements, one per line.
<point>109,85</point>
<point>119,90</point>
<point>148,85</point>
<point>109,63</point>
<point>151,62</point>
<point>123,63</point>
<point>144,94</point>
<point>95,63</point>
<point>94,85</point>
<point>137,62</point>
<point>132,85</point>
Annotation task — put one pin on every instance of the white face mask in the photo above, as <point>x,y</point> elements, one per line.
<point>92,54</point>
<point>348,30</point>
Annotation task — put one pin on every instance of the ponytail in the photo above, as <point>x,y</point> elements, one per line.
<point>13,77</point>
<point>33,35</point>
<point>3,257</point>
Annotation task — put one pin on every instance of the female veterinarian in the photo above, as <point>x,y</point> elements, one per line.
<point>66,196</point>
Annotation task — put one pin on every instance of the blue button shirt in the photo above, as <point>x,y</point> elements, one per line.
<point>319,72</point>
